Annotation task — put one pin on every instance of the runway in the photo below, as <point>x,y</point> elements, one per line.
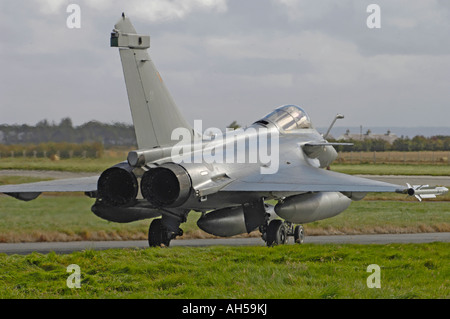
<point>69,247</point>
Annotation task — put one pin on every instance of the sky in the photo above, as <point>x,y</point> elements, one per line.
<point>231,60</point>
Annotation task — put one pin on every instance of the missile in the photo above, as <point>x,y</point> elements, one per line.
<point>425,191</point>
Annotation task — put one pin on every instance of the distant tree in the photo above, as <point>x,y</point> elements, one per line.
<point>380,145</point>
<point>120,134</point>
<point>401,144</point>
<point>43,124</point>
<point>66,123</point>
<point>419,143</point>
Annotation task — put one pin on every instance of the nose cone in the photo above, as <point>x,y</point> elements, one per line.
<point>224,222</point>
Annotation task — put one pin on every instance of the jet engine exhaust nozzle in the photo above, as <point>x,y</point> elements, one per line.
<point>118,186</point>
<point>168,185</point>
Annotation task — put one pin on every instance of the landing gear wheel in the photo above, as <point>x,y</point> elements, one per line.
<point>157,234</point>
<point>299,235</point>
<point>276,233</point>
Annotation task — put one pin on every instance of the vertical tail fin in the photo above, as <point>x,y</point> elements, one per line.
<point>155,114</point>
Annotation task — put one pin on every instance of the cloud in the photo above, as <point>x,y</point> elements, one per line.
<point>227,59</point>
<point>161,10</point>
<point>407,27</point>
<point>49,7</point>
<point>153,10</point>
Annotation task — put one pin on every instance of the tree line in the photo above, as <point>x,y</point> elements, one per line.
<point>402,144</point>
<point>98,134</point>
<point>115,134</point>
<point>53,150</point>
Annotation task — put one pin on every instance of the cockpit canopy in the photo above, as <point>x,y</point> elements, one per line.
<point>287,118</point>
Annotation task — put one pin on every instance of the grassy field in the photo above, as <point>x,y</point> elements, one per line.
<point>395,157</point>
<point>393,169</point>
<point>94,165</point>
<point>97,165</point>
<point>66,218</point>
<point>59,217</point>
<point>294,271</point>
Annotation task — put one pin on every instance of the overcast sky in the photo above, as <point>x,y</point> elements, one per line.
<point>231,60</point>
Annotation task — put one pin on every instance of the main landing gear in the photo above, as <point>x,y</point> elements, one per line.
<point>162,231</point>
<point>276,232</point>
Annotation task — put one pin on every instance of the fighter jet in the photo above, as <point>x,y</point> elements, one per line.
<point>230,177</point>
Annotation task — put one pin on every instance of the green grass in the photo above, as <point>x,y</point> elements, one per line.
<point>294,271</point>
<point>64,218</point>
<point>386,217</point>
<point>97,165</point>
<point>393,169</point>
<point>94,165</point>
<point>60,218</point>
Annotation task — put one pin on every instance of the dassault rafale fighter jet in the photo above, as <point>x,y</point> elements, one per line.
<point>227,176</point>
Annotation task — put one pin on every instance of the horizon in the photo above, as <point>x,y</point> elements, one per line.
<point>405,131</point>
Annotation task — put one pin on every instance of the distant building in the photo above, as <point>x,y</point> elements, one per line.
<point>388,136</point>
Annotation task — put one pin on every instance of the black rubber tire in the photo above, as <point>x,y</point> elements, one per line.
<point>276,233</point>
<point>299,234</point>
<point>157,236</point>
